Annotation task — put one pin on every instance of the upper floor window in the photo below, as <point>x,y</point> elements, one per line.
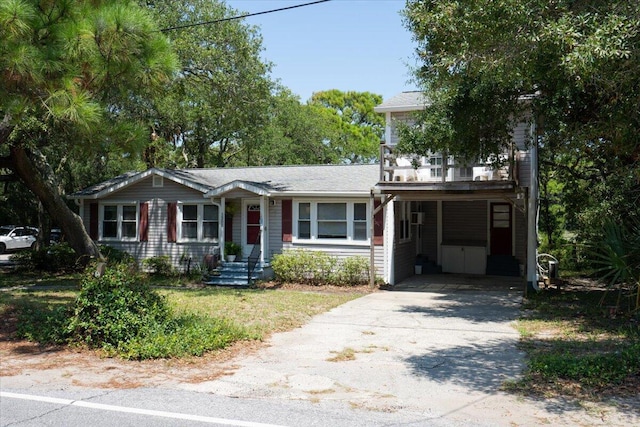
<point>437,171</point>
<point>119,221</point>
<point>330,221</point>
<point>198,222</point>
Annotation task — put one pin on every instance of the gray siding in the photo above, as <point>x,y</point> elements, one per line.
<point>464,222</point>
<point>521,236</point>
<point>274,230</point>
<point>524,168</point>
<point>522,135</point>
<point>158,198</point>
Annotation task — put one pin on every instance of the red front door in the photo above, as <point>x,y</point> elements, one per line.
<point>253,224</point>
<point>501,229</point>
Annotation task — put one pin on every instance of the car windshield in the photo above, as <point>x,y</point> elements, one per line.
<point>5,230</point>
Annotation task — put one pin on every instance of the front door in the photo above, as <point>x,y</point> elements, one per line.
<point>251,235</point>
<point>501,229</point>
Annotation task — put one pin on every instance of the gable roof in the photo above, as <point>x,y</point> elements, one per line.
<point>332,180</point>
<point>404,101</point>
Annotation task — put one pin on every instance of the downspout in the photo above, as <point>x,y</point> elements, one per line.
<point>532,217</point>
<point>223,207</point>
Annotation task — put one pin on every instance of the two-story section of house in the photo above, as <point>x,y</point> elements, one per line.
<point>452,216</point>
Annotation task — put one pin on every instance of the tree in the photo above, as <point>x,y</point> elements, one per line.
<point>360,127</point>
<point>67,69</point>
<point>220,98</point>
<point>296,134</point>
<point>580,63</point>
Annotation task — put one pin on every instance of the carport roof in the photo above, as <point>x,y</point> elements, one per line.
<point>334,180</point>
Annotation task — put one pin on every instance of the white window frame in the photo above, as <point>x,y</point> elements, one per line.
<point>200,222</point>
<point>350,220</point>
<point>119,221</point>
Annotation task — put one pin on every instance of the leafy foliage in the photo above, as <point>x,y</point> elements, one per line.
<point>360,128</point>
<point>55,258</point>
<point>213,109</point>
<point>115,308</point>
<point>317,268</point>
<point>160,265</point>
<point>571,66</point>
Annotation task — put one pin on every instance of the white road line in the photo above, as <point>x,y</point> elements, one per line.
<point>103,407</point>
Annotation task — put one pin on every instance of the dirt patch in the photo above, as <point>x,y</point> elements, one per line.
<point>25,363</point>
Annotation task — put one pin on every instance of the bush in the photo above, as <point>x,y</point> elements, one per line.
<point>315,268</point>
<point>115,308</point>
<point>54,258</point>
<point>160,265</point>
<point>116,256</point>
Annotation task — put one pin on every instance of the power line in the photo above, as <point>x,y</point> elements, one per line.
<point>232,18</point>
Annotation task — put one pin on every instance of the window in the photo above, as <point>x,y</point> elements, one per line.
<point>436,172</point>
<point>119,221</point>
<point>466,172</point>
<point>405,220</point>
<point>198,222</point>
<point>331,221</point>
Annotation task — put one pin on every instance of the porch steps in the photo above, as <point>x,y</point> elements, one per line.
<point>233,274</point>
<point>502,265</point>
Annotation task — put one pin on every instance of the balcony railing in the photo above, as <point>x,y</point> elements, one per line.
<point>439,168</point>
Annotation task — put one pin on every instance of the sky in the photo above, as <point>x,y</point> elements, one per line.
<point>350,45</point>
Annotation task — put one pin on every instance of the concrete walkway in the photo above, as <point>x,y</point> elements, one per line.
<point>436,357</point>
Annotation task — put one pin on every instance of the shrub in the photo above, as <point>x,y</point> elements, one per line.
<point>116,256</point>
<point>314,267</point>
<point>354,270</point>
<point>160,265</point>
<point>115,308</point>
<point>54,258</point>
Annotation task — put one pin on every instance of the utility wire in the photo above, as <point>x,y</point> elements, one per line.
<point>232,18</point>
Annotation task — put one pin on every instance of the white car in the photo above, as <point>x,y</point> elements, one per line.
<point>12,237</point>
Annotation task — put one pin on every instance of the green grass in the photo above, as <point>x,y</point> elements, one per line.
<point>578,345</point>
<point>204,319</point>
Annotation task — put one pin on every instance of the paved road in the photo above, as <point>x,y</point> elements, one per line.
<point>389,358</point>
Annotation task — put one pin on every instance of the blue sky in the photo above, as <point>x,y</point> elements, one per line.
<point>356,45</point>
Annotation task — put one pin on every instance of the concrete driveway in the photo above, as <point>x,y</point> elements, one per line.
<point>437,357</point>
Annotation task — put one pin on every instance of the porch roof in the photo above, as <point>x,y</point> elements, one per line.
<point>417,190</point>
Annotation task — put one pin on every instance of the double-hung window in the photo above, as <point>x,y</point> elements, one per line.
<point>436,172</point>
<point>198,222</point>
<point>331,221</point>
<point>119,221</point>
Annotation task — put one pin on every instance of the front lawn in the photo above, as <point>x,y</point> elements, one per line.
<point>203,318</point>
<point>578,344</point>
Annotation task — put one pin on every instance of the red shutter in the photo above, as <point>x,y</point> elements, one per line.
<point>378,225</point>
<point>287,215</point>
<point>172,212</point>
<point>93,220</point>
<point>144,222</point>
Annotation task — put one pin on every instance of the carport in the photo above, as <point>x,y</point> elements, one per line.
<point>460,282</point>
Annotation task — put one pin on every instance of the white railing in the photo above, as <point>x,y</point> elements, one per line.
<point>438,168</point>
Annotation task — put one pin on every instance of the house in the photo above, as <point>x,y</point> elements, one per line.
<point>402,213</point>
<point>464,218</point>
<point>190,213</point>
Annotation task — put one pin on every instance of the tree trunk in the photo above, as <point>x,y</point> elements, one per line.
<point>38,176</point>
